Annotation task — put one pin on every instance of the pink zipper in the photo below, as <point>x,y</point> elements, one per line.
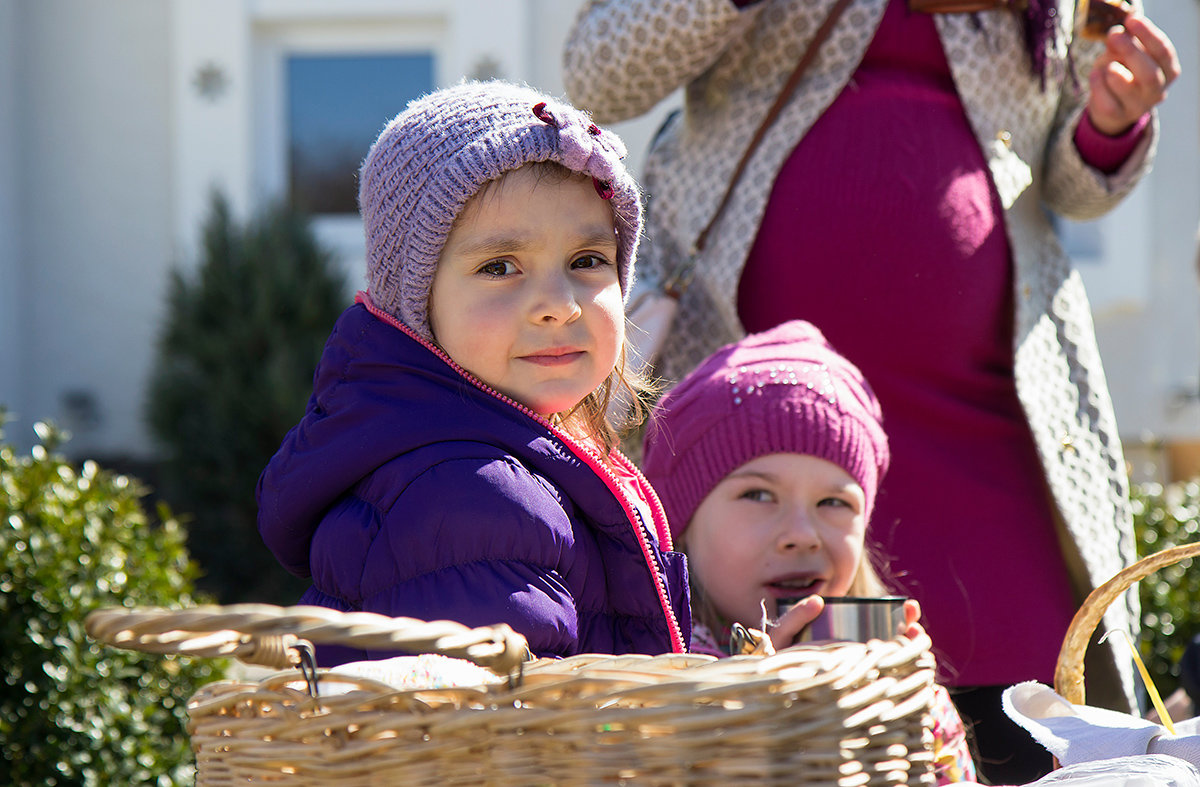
<point>590,457</point>
<point>661,526</point>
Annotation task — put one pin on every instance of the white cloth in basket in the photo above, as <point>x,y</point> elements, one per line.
<point>1080,734</point>
<point>426,671</point>
<point>1144,770</point>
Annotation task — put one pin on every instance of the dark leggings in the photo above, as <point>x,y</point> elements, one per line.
<point>1005,753</point>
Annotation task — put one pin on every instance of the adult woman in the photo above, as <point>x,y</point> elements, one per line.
<point>899,201</point>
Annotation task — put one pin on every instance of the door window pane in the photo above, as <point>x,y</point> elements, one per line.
<point>337,105</point>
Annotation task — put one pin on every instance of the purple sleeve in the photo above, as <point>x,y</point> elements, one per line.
<point>1103,152</point>
<point>745,3</point>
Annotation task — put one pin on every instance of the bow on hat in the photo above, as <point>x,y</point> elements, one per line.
<point>584,147</point>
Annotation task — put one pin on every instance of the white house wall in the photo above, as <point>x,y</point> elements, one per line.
<point>11,287</point>
<point>93,141</point>
<point>212,136</point>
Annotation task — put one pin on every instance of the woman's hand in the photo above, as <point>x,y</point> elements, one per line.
<point>789,626</point>
<point>1132,76</point>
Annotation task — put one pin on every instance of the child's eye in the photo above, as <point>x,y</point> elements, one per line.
<point>589,261</point>
<point>835,502</point>
<point>757,496</point>
<point>496,268</point>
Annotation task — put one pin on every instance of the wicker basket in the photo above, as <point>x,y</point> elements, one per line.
<point>1068,674</point>
<point>842,714</point>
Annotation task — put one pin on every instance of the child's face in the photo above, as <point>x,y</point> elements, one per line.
<point>526,295</point>
<point>781,525</point>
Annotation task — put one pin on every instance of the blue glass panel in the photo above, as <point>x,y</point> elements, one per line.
<point>337,105</point>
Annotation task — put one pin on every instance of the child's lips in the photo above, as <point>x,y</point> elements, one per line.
<point>555,356</point>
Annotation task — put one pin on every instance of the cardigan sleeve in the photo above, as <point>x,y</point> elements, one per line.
<point>1104,152</point>
<point>1072,187</point>
<point>622,57</point>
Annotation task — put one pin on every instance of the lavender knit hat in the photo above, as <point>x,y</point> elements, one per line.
<point>780,391</point>
<point>437,154</point>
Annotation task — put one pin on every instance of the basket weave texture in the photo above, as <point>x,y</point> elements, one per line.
<point>845,714</point>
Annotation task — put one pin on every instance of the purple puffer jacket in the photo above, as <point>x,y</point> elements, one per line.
<point>410,489</point>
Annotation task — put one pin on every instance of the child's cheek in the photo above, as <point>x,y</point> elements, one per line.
<point>612,311</point>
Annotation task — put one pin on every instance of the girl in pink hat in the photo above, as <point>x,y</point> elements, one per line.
<point>767,458</point>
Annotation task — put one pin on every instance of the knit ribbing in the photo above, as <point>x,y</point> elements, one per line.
<point>781,391</point>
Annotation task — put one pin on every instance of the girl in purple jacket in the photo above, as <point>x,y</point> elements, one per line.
<point>456,460</point>
<point>767,457</point>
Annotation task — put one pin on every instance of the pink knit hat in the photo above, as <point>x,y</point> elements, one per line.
<point>440,151</point>
<point>780,391</point>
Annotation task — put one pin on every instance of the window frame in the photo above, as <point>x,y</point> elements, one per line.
<point>275,39</point>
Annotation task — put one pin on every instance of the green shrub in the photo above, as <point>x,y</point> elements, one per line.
<point>74,711</point>
<point>234,372</point>
<point>1167,516</point>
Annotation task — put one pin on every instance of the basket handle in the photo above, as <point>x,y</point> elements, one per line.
<point>269,635</point>
<point>1068,675</point>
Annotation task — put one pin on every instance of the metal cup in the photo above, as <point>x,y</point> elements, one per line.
<point>852,618</point>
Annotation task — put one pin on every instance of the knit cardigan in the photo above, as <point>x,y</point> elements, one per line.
<point>623,58</point>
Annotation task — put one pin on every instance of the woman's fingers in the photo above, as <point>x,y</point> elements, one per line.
<point>1132,76</point>
<point>1156,45</point>
<point>1109,81</point>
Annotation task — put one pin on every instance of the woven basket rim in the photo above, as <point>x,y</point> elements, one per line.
<point>838,713</point>
<point>1068,673</point>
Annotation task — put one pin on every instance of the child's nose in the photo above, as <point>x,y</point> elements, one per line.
<point>555,300</point>
<point>797,533</point>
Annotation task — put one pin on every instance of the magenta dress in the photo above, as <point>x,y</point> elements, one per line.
<point>884,230</point>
